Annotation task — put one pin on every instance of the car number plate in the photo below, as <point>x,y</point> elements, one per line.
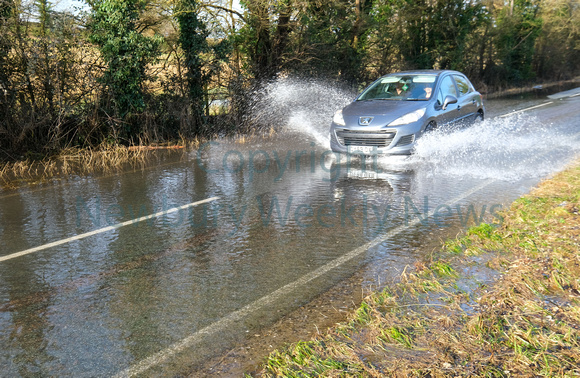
<point>363,174</point>
<point>361,149</point>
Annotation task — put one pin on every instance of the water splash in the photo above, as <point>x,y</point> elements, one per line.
<point>511,148</point>
<point>301,121</point>
<point>301,106</point>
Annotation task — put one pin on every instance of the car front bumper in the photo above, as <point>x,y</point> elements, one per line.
<point>399,140</point>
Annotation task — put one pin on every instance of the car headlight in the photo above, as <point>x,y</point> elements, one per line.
<point>338,118</point>
<point>409,118</point>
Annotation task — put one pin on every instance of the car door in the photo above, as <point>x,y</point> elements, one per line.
<point>449,115</point>
<point>466,101</point>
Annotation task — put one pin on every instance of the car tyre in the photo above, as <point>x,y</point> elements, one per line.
<point>430,127</point>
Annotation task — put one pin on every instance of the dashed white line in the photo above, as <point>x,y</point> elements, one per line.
<point>104,229</point>
<point>526,109</point>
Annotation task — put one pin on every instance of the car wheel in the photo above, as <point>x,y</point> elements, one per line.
<point>478,117</point>
<point>430,127</point>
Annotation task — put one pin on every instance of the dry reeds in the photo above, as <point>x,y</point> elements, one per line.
<point>75,161</point>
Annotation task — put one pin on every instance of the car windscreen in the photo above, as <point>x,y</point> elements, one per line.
<point>400,88</point>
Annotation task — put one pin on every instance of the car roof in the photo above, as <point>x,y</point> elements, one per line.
<point>423,72</point>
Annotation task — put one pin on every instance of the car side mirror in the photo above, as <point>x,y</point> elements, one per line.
<point>449,100</point>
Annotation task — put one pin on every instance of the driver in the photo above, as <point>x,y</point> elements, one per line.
<point>400,90</point>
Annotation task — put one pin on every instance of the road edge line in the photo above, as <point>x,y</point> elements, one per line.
<point>102,230</point>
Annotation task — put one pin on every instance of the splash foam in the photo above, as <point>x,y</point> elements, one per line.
<point>511,148</point>
<point>302,106</point>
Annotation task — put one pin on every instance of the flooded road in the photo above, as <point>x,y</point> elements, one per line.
<point>153,271</point>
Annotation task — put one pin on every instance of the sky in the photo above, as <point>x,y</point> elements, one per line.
<point>69,5</point>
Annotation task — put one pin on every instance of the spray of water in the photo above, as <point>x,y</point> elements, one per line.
<point>511,148</point>
<point>302,106</point>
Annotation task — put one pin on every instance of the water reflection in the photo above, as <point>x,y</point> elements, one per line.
<point>28,341</point>
<point>25,304</point>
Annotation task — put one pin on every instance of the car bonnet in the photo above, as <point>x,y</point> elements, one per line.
<point>382,111</point>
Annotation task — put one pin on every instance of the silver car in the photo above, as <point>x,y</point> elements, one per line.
<point>393,112</point>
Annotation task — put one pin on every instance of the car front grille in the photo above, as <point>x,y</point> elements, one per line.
<point>379,138</point>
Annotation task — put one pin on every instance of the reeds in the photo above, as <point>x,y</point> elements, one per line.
<point>74,161</point>
<point>104,158</point>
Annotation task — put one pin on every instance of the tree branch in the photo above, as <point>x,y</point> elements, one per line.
<point>232,11</point>
<point>241,16</point>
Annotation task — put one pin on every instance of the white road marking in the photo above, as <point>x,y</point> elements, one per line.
<point>104,229</point>
<point>526,109</point>
<point>268,300</point>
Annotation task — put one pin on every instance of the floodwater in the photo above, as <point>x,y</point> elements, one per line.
<point>284,220</point>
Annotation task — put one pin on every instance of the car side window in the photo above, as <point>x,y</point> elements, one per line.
<point>448,87</point>
<point>463,85</point>
<point>440,97</point>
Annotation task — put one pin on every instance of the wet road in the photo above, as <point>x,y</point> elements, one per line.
<point>142,277</point>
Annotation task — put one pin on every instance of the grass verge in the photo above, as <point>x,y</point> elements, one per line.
<point>503,300</point>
